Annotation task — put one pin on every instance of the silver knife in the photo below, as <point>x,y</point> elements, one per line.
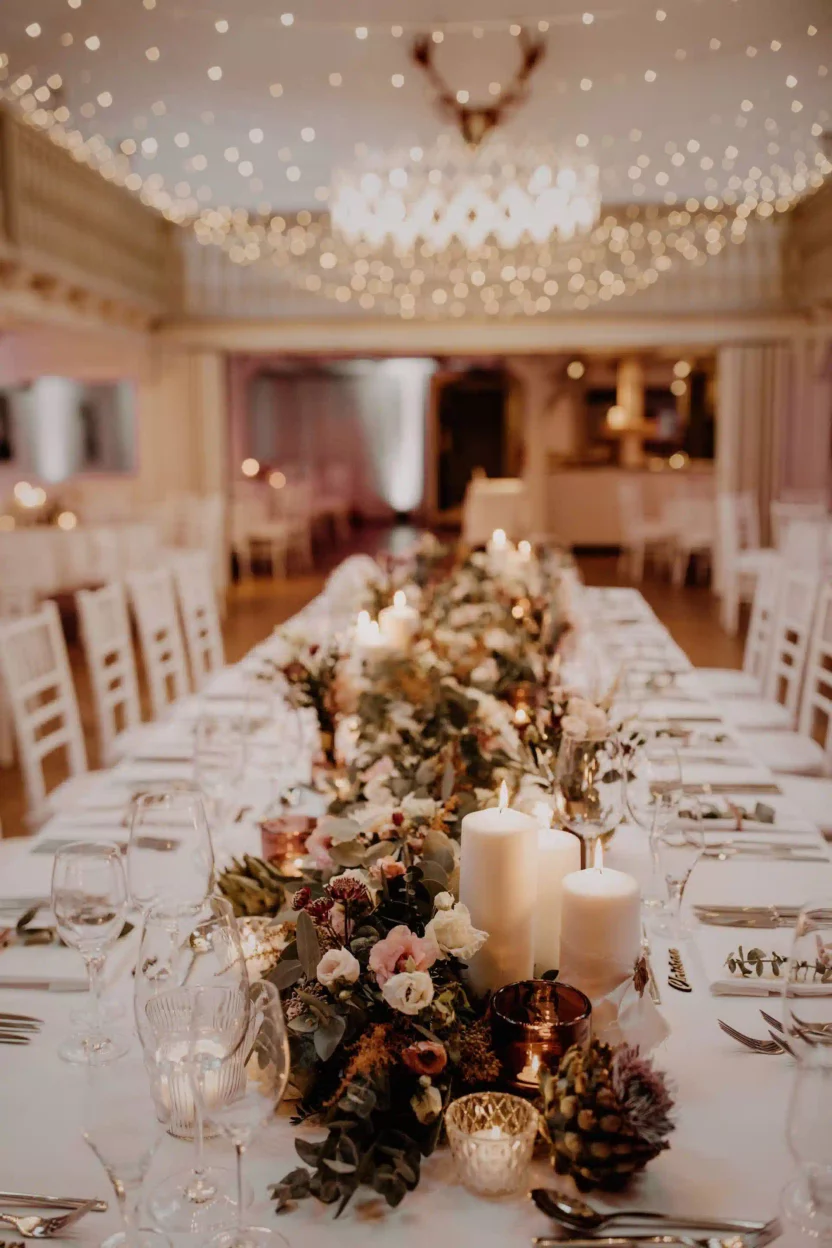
<point>45,985</point>
<point>48,1202</point>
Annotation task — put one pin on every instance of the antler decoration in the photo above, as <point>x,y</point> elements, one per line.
<point>474,122</point>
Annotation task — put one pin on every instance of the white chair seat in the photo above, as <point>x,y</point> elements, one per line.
<point>760,714</point>
<point>725,682</point>
<point>787,752</point>
<point>811,797</point>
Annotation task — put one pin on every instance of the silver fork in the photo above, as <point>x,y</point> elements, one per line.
<point>756,1046</point>
<point>35,1226</point>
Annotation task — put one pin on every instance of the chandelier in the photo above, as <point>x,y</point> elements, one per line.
<point>456,196</point>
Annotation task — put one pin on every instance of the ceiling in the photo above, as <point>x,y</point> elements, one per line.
<point>731,84</point>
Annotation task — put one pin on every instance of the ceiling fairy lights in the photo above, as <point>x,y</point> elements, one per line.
<point>654,199</point>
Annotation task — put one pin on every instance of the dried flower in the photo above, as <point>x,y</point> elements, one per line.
<point>425,1057</point>
<point>478,1063</point>
<point>302,898</point>
<point>643,1095</point>
<point>350,892</point>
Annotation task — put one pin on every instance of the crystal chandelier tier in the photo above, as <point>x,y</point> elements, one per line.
<point>454,195</point>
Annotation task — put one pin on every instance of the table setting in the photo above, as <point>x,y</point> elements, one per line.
<point>426,918</point>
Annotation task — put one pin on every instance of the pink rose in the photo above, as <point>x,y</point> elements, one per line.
<point>401,950</point>
<point>386,868</point>
<point>317,847</point>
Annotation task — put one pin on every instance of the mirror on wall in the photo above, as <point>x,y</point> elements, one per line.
<point>56,427</point>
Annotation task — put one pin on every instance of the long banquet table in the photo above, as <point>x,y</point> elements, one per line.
<point>728,1155</point>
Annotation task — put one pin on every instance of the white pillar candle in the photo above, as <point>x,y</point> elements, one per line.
<point>399,623</point>
<point>558,855</point>
<point>497,884</point>
<point>600,928</point>
<point>368,641</point>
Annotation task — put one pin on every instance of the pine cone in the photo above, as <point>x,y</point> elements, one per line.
<point>596,1136</point>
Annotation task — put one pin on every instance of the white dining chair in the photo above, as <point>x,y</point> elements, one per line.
<point>200,618</point>
<point>808,751</point>
<point>786,512</point>
<point>139,546</point>
<point>108,649</point>
<point>153,601</point>
<point>295,512</point>
<point>38,683</point>
<point>15,602</point>
<point>691,524</point>
<point>740,557</point>
<point>253,533</point>
<point>749,680</point>
<point>642,535</point>
<point>777,708</point>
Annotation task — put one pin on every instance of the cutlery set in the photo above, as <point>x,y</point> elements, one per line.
<point>18,1028</point>
<point>578,1221</point>
<point>39,1225</point>
<point>748,916</point>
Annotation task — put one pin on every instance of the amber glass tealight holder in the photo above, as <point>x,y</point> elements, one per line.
<point>283,841</point>
<point>533,1023</point>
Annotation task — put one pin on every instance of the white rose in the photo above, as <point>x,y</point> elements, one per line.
<point>455,934</point>
<point>444,901</point>
<point>419,807</point>
<point>427,1104</point>
<point>338,965</point>
<point>408,991</point>
<point>572,726</point>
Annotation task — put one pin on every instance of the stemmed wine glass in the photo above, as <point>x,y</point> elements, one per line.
<point>89,901</point>
<point>678,847</point>
<point>807,986</point>
<point>806,1201</point>
<point>192,1011</point>
<point>121,1126</point>
<point>654,792</point>
<point>170,858</point>
<point>219,760</point>
<point>589,787</point>
<point>257,1093</point>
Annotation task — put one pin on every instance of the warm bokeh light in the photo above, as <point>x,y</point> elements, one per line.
<point>678,460</point>
<point>678,387</point>
<point>67,520</point>
<point>250,467</point>
<point>575,369</point>
<point>681,369</point>
<point>617,417</point>
<point>277,479</point>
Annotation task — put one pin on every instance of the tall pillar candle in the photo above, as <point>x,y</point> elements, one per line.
<point>600,928</point>
<point>497,884</point>
<point>558,855</point>
<point>399,623</point>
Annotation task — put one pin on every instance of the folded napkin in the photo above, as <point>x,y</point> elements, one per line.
<point>62,966</point>
<point>715,946</point>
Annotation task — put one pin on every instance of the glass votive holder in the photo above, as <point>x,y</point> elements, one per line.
<point>283,841</point>
<point>491,1136</point>
<point>533,1023</point>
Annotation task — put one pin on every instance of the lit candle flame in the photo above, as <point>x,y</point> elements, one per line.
<point>521,716</point>
<point>598,857</point>
<point>503,795</point>
<point>498,539</point>
<point>400,598</point>
<point>535,1064</point>
<point>525,548</point>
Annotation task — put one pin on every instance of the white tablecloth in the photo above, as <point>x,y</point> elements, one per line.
<point>728,1156</point>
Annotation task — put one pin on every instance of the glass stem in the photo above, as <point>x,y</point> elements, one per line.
<point>95,965</point>
<point>239,1149</point>
<point>127,1202</point>
<point>199,1130</point>
<point>675,890</point>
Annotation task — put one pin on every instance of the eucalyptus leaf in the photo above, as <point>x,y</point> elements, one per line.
<point>329,1036</point>
<point>285,974</point>
<point>308,1151</point>
<point>348,854</point>
<point>309,949</point>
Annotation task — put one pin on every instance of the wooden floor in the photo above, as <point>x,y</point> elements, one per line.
<point>258,605</point>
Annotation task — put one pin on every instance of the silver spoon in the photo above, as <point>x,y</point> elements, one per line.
<point>579,1214</point>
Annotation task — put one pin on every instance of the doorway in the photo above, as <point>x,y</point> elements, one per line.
<point>472,431</point>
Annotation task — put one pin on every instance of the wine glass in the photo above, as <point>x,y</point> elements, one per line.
<point>219,759</point>
<point>192,1009</point>
<point>89,901</point>
<point>589,788</point>
<point>170,858</point>
<point>275,753</point>
<point>257,1094</point>
<point>807,986</point>
<point>654,784</point>
<point>121,1126</point>
<point>677,849</point>
<point>806,1201</point>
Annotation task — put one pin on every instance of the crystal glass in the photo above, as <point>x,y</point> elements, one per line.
<point>89,901</point>
<point>677,848</point>
<point>491,1136</point>
<point>654,784</point>
<point>219,760</point>
<point>589,788</point>
<point>253,1102</point>
<point>806,1202</point>
<point>122,1128</point>
<point>807,986</point>
<point>192,1013</point>
<point>170,858</point>
<point>277,756</point>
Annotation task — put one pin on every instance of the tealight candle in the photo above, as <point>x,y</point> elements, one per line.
<point>558,855</point>
<point>369,642</point>
<point>497,874</point>
<point>600,927</point>
<point>399,623</point>
<point>492,1136</point>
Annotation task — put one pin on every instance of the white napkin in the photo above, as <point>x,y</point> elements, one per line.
<point>63,966</point>
<point>716,944</point>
